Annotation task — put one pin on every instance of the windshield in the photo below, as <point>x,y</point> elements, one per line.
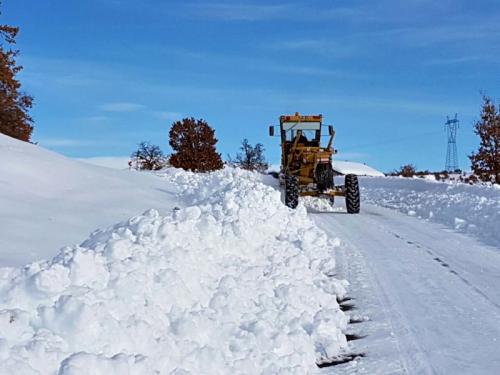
<point>310,130</point>
<point>301,126</point>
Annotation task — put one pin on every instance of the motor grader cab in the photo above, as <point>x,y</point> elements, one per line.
<point>306,165</point>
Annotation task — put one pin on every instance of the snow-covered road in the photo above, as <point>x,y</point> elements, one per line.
<point>432,295</point>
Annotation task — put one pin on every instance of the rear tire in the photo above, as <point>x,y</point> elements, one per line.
<point>291,191</point>
<point>352,200</point>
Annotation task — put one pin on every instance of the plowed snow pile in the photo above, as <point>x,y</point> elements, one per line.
<point>470,209</point>
<point>233,282</point>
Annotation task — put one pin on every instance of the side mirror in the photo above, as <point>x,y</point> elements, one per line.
<point>271,131</point>
<point>330,130</point>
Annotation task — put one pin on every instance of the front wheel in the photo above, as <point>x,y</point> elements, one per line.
<point>291,191</point>
<point>352,200</point>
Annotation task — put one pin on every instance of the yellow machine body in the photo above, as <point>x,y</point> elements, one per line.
<point>300,155</point>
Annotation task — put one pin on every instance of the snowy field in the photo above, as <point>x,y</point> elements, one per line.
<point>225,280</point>
<point>474,210</point>
<point>48,201</point>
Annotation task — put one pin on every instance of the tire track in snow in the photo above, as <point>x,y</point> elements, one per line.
<point>364,273</point>
<point>446,265</point>
<point>412,356</point>
<point>352,265</point>
<point>440,326</point>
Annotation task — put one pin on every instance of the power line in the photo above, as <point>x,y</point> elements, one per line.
<point>451,126</point>
<point>390,141</point>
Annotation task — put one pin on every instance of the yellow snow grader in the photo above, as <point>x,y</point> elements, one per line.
<point>306,166</point>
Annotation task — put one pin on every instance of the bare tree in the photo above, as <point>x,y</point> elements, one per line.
<point>251,157</point>
<point>407,170</point>
<point>148,157</point>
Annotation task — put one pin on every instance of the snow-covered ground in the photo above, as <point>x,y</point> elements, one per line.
<point>471,209</point>
<point>48,201</point>
<point>350,167</point>
<point>428,297</point>
<point>115,162</point>
<point>344,167</point>
<point>212,274</point>
<point>226,280</point>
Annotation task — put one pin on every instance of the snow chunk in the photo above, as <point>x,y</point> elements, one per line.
<point>85,363</point>
<point>460,223</point>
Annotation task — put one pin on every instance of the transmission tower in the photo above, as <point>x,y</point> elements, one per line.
<point>451,126</point>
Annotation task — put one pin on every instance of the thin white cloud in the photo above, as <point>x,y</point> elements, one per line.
<point>389,104</point>
<point>305,44</point>
<point>77,143</point>
<point>234,11</point>
<point>48,72</point>
<point>121,107</point>
<point>64,142</point>
<point>338,47</point>
<point>412,37</point>
<point>311,71</point>
<point>95,119</point>
<point>431,35</point>
<point>458,60</point>
<point>352,155</point>
<point>255,11</point>
<point>44,78</point>
<point>77,81</point>
<point>270,65</point>
<point>166,115</point>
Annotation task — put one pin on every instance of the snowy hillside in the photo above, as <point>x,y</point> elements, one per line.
<point>48,201</point>
<point>115,162</point>
<point>474,210</point>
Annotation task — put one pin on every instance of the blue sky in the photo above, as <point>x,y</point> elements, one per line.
<point>107,74</point>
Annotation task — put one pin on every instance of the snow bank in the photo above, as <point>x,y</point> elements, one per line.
<point>470,209</point>
<point>234,282</point>
<point>344,167</point>
<point>350,167</point>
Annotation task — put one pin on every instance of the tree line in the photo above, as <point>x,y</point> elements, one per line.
<point>194,143</point>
